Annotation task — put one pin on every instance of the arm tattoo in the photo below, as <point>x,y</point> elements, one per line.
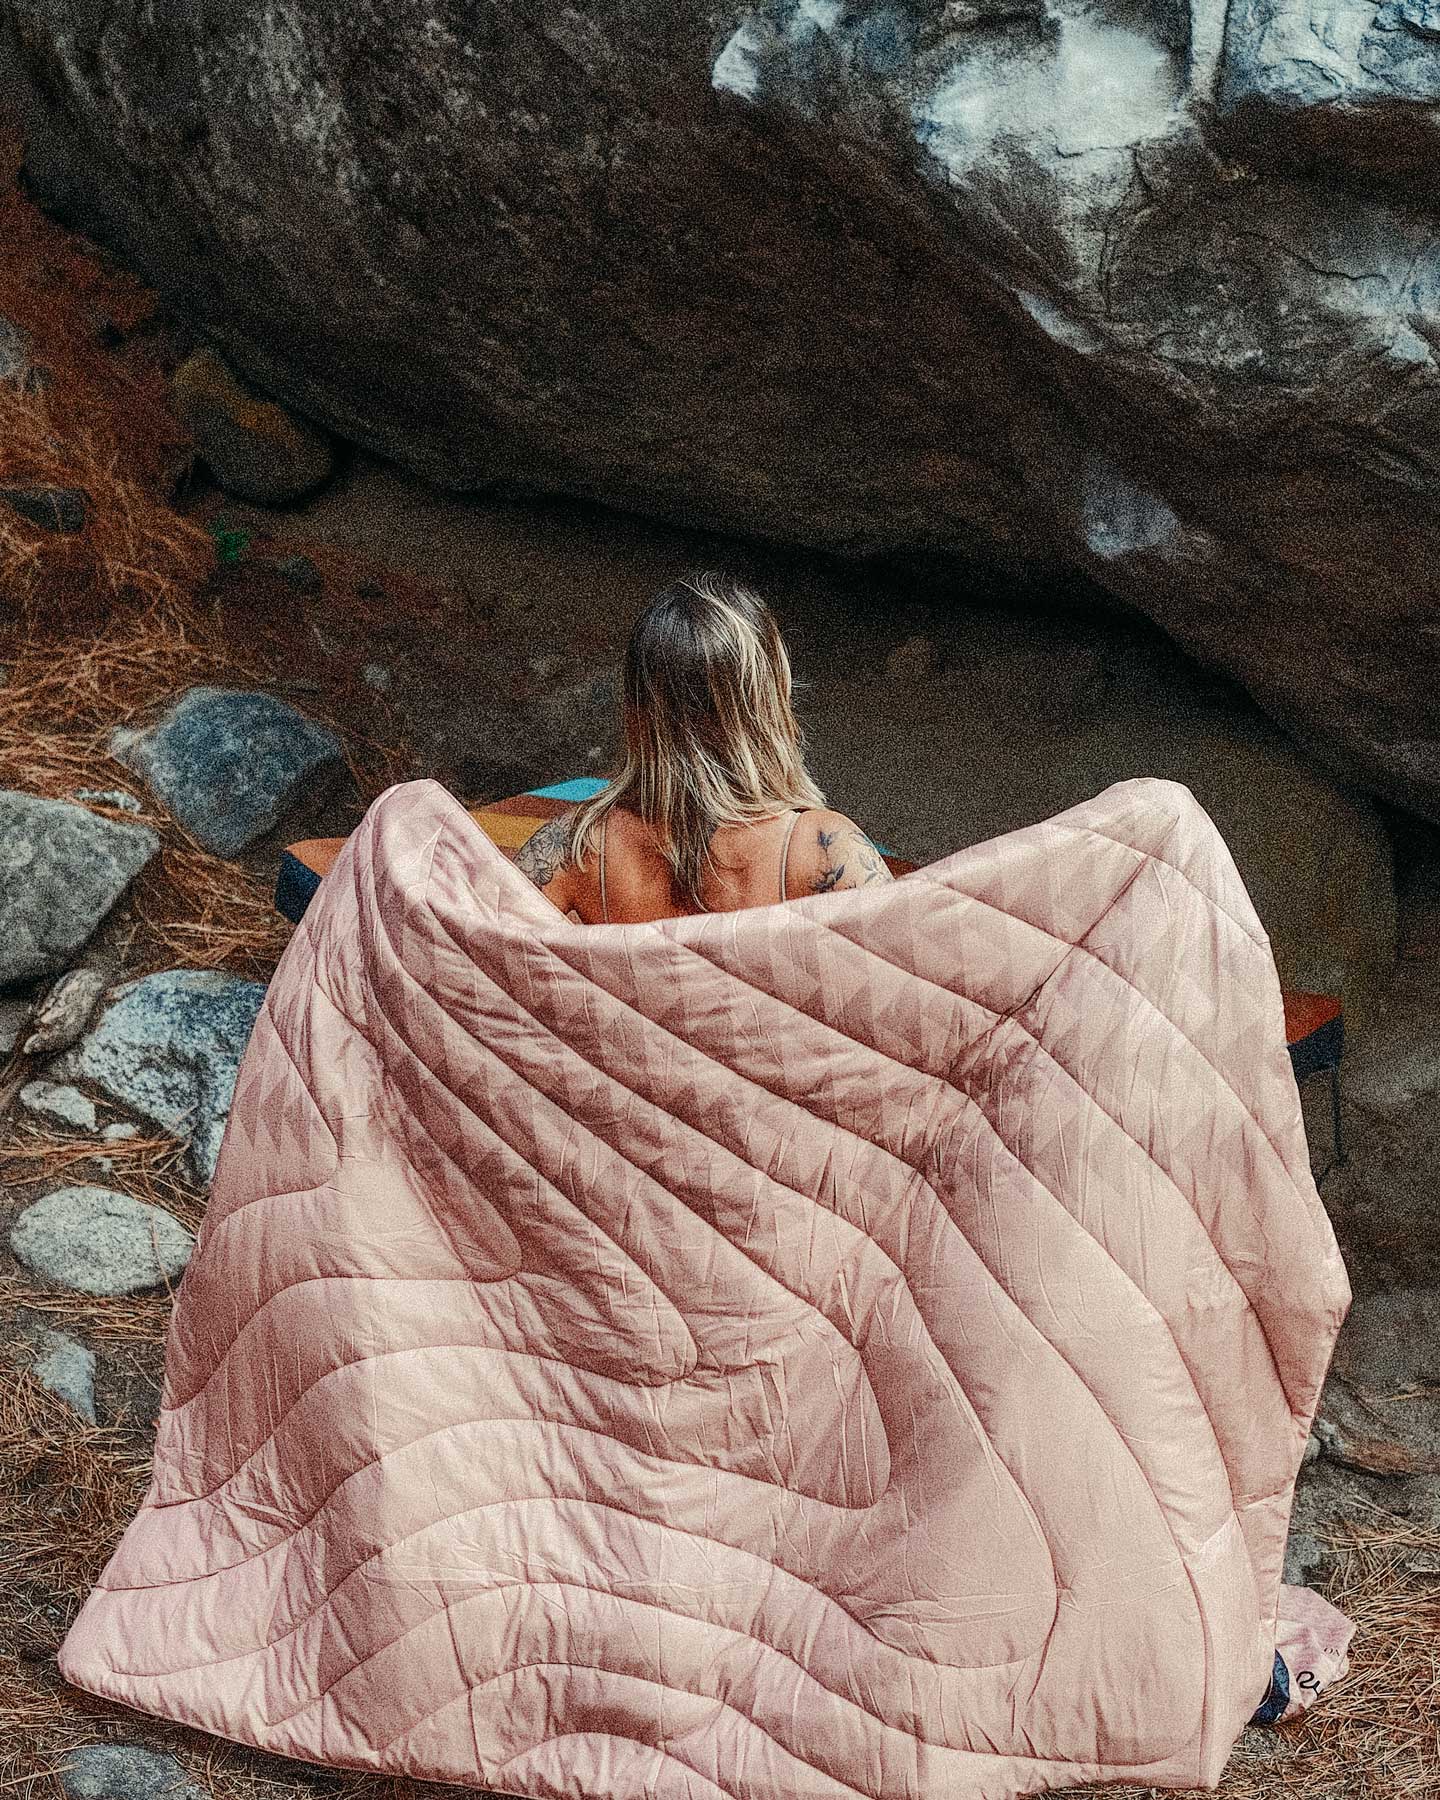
<point>545,852</point>
<point>868,863</point>
<point>833,871</point>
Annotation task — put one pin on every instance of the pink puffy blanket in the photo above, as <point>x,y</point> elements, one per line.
<point>861,1346</point>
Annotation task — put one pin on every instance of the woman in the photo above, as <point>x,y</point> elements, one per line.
<point>712,807</point>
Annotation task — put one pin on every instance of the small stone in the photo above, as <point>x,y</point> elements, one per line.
<point>125,1772</point>
<point>256,450</point>
<point>1331,1443</point>
<point>911,661</point>
<point>66,1369</point>
<point>66,1010</point>
<point>376,675</point>
<point>114,797</point>
<point>120,1133</point>
<point>64,868</point>
<point>60,1105</point>
<point>96,1241</point>
<point>301,573</point>
<point>228,765</point>
<point>56,509</point>
<point>1313,1449</point>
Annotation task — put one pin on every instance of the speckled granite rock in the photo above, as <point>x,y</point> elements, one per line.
<point>64,868</point>
<point>167,1048</point>
<point>125,1772</point>
<point>100,1242</point>
<point>229,765</point>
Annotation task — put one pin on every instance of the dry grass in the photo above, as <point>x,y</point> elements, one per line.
<point>134,548</point>
<point>102,424</point>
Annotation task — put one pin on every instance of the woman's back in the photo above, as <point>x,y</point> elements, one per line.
<point>628,881</point>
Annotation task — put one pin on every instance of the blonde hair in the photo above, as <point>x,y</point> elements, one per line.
<point>710,737</point>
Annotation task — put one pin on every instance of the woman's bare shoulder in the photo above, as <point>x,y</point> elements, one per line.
<point>547,858</point>
<point>828,852</point>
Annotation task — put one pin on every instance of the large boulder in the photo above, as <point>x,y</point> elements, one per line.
<point>1078,288</point>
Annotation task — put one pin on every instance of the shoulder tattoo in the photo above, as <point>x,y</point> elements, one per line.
<point>843,849</point>
<point>545,852</point>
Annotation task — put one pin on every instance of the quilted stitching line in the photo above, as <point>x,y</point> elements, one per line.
<point>1019,1311</point>
<point>965,1096</point>
<point>919,875</point>
<point>527,1583</point>
<point>1033,1175</point>
<point>418,1281</point>
<point>695,1780</point>
<point>673,1462</point>
<point>1165,863</point>
<point>884,1150</point>
<point>1013,1018</point>
<point>828,1601</point>
<point>1064,822</point>
<point>1046,1051</point>
<point>605,1075</point>
<point>613,1081</point>
<point>565,1200</point>
<point>625,1675</point>
<point>1071,1770</point>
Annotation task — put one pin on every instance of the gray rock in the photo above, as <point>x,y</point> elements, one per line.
<point>57,509</point>
<point>120,1133</point>
<point>301,573</point>
<point>14,1017</point>
<point>1303,1553</point>
<point>66,1368</point>
<point>1382,1394</point>
<point>1141,292</point>
<point>255,448</point>
<point>116,797</point>
<point>59,1105</point>
<point>100,1242</point>
<point>60,1018</point>
<point>64,868</point>
<point>168,1049</point>
<point>125,1772</point>
<point>1355,89</point>
<point>229,765</point>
